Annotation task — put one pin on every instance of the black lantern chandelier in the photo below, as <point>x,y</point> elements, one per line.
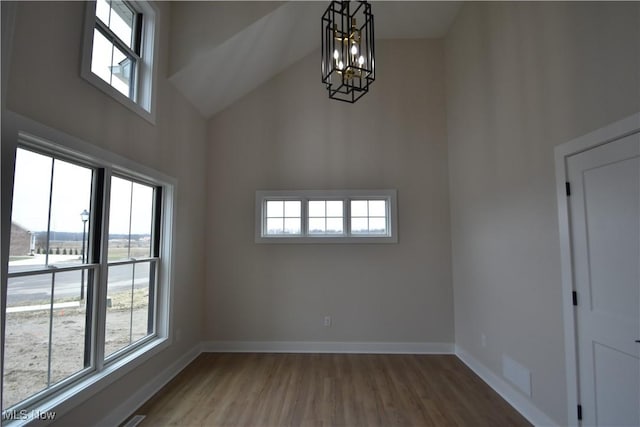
<point>348,64</point>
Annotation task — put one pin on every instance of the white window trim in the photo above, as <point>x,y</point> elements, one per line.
<point>345,195</point>
<point>18,130</point>
<point>145,90</point>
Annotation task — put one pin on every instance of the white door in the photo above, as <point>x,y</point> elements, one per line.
<point>605,236</point>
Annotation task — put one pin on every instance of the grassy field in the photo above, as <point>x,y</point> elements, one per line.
<point>125,253</point>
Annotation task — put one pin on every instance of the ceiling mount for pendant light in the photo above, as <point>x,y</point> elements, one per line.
<point>348,63</point>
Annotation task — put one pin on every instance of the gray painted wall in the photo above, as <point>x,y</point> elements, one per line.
<point>521,79</point>
<point>45,85</point>
<point>287,134</point>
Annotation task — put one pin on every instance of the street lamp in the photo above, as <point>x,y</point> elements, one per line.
<point>84,216</point>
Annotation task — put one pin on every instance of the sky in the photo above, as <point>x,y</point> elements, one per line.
<point>131,203</point>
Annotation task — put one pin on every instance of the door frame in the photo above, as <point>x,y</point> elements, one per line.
<point>604,135</point>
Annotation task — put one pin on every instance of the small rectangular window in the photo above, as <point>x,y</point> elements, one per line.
<point>326,216</point>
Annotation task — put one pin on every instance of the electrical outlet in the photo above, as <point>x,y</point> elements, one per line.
<point>327,321</point>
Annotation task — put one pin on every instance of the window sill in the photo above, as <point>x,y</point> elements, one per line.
<point>67,399</point>
<point>119,97</point>
<point>331,240</point>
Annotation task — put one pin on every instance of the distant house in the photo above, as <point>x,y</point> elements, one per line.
<point>20,240</point>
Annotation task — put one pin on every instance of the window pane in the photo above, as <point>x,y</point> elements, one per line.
<point>359,208</point>
<point>141,219</point>
<point>119,303</point>
<point>292,226</point>
<point>130,219</point>
<point>359,225</point>
<point>335,225</point>
<point>142,294</point>
<point>122,21</point>
<point>316,208</point>
<point>275,226</point>
<point>101,56</point>
<point>378,225</point>
<point>377,208</point>
<point>129,293</point>
<point>121,70</point>
<point>31,339</point>
<point>334,208</point>
<point>119,218</point>
<point>69,324</point>
<point>316,225</point>
<point>275,208</point>
<point>103,10</point>
<point>29,217</point>
<point>26,346</point>
<point>70,197</point>
<point>292,208</point>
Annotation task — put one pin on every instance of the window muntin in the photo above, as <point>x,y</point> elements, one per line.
<point>329,216</point>
<point>62,301</point>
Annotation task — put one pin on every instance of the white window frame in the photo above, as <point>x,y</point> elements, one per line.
<point>146,73</point>
<point>390,196</point>
<point>19,131</point>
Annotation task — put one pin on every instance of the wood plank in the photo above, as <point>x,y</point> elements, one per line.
<point>247,389</point>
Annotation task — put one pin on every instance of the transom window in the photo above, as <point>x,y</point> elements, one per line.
<point>323,216</point>
<point>119,50</point>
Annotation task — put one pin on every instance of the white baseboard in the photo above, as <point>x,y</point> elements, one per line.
<point>128,407</point>
<point>509,393</point>
<point>327,347</point>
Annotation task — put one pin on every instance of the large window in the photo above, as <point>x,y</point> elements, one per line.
<point>119,51</point>
<point>87,282</point>
<point>319,216</point>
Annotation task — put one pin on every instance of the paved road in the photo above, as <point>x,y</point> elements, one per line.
<point>29,289</point>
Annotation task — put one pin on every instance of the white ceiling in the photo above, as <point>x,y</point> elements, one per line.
<point>223,50</point>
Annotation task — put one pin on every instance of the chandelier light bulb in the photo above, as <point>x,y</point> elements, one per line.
<point>361,60</point>
<point>354,49</point>
<point>336,55</point>
<point>340,65</point>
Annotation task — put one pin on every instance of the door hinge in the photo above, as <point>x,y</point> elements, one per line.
<point>567,187</point>
<point>580,412</point>
<point>574,297</point>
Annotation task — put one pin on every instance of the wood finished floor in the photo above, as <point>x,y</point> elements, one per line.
<point>233,389</point>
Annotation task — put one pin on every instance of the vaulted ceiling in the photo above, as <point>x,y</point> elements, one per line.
<point>220,51</point>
